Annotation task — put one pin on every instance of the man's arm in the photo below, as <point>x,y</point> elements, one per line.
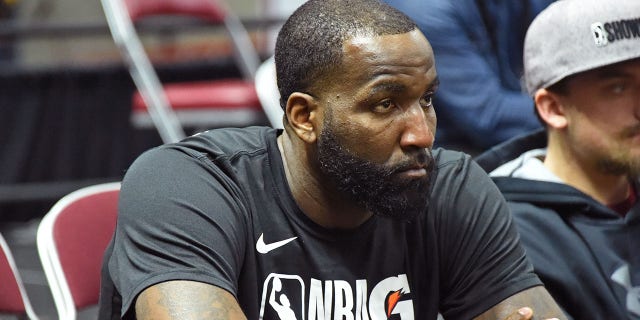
<point>187,300</point>
<point>536,298</point>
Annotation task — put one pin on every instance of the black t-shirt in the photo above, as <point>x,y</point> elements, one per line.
<point>216,208</point>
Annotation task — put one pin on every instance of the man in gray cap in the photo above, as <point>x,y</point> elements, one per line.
<point>573,189</point>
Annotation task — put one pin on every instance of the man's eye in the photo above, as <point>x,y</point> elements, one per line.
<point>384,106</point>
<point>618,88</point>
<point>427,100</point>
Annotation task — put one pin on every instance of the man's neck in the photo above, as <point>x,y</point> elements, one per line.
<point>313,195</point>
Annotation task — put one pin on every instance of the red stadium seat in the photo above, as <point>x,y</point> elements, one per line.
<point>228,102</point>
<point>13,296</point>
<point>71,240</point>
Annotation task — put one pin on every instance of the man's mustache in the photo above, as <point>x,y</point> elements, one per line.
<point>420,159</point>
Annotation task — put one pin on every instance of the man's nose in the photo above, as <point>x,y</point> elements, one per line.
<point>417,132</point>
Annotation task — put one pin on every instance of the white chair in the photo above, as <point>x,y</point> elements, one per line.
<point>267,89</point>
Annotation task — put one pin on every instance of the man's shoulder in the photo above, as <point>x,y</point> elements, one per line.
<point>455,171</point>
<point>460,186</point>
<point>447,160</point>
<point>223,143</point>
<point>222,152</point>
<point>231,140</point>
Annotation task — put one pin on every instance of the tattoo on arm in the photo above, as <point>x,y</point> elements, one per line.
<point>187,300</point>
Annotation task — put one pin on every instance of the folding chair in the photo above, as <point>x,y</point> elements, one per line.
<point>71,240</point>
<point>13,296</point>
<point>228,102</point>
<point>267,89</point>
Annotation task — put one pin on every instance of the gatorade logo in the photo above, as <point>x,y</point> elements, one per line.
<point>284,297</point>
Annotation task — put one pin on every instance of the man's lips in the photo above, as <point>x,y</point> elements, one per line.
<point>415,171</point>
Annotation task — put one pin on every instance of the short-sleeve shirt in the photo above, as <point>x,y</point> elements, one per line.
<point>216,208</point>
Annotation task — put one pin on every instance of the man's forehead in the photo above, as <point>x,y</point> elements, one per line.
<point>413,44</point>
<point>365,36</point>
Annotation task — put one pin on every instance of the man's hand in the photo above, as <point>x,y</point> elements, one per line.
<point>524,313</point>
<point>537,300</point>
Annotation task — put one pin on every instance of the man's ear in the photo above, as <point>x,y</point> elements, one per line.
<point>302,114</point>
<point>550,109</point>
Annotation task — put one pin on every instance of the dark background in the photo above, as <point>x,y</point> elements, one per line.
<point>61,129</point>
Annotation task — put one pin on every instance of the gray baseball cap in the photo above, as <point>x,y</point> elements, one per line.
<point>572,36</point>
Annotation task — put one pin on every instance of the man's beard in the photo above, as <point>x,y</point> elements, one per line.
<point>629,167</point>
<point>621,160</point>
<point>376,187</point>
<point>626,165</point>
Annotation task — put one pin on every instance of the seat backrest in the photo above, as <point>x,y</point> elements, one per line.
<point>267,90</point>
<point>121,15</point>
<point>211,11</point>
<point>71,240</point>
<point>13,296</point>
<point>208,10</point>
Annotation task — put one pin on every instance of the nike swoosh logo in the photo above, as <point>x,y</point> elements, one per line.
<point>265,248</point>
